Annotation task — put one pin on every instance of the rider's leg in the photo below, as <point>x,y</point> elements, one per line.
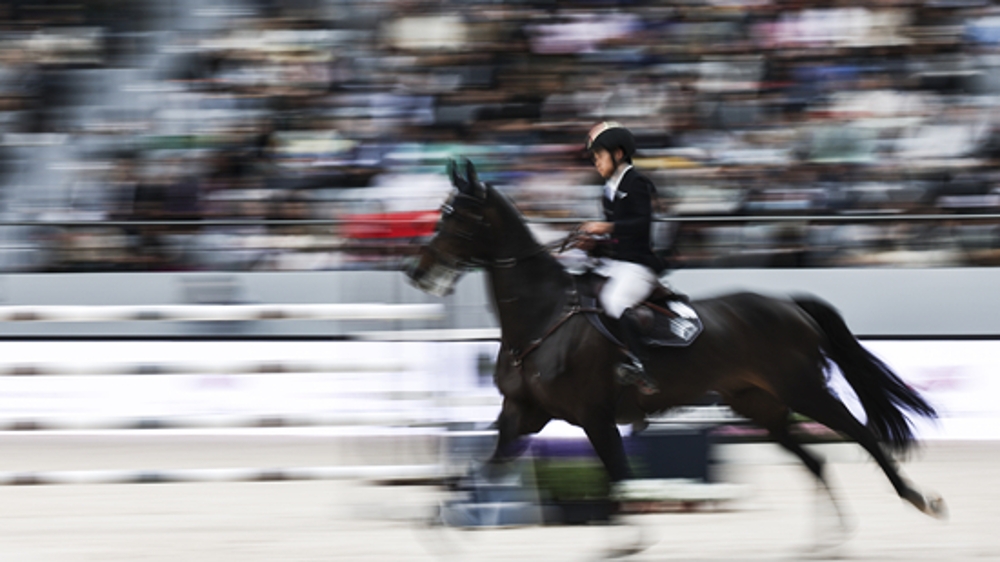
<point>635,369</point>
<point>628,284</point>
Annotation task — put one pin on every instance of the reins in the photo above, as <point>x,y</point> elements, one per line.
<point>512,261</point>
<point>575,307</point>
<point>519,355</point>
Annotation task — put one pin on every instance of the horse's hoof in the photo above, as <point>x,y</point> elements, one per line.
<point>931,504</point>
<point>828,550</point>
<point>636,545</point>
<point>935,507</point>
<point>623,552</point>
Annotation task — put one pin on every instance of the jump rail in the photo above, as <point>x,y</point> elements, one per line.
<point>188,368</point>
<point>220,313</point>
<point>90,423</point>
<point>423,417</point>
<point>417,417</point>
<point>156,476</point>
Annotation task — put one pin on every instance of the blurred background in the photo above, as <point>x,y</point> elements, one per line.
<point>779,133</point>
<point>181,183</point>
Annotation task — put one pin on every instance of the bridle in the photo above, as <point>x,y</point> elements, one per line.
<point>477,223</point>
<point>468,221</point>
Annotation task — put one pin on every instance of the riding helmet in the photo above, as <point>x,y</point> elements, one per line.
<point>610,135</point>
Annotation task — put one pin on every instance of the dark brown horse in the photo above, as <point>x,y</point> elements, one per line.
<point>766,357</point>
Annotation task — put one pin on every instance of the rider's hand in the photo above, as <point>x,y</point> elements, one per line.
<point>596,227</point>
<point>585,242</point>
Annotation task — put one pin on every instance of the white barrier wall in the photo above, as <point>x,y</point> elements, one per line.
<point>387,384</point>
<point>363,383</point>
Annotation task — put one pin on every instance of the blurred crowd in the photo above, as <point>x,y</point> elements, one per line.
<point>311,134</point>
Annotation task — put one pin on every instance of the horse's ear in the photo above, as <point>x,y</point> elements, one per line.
<point>469,184</point>
<point>470,173</point>
<point>453,174</point>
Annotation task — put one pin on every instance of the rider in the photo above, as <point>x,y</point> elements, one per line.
<point>632,267</point>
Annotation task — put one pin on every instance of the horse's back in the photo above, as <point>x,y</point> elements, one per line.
<point>747,314</point>
<point>741,303</point>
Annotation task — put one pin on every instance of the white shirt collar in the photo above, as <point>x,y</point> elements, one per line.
<point>611,186</point>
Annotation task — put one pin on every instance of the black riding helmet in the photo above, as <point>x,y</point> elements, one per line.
<point>610,136</point>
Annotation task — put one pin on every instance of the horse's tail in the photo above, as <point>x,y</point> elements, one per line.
<point>882,393</point>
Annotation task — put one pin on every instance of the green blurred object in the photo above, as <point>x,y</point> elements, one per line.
<point>571,480</point>
<point>573,491</point>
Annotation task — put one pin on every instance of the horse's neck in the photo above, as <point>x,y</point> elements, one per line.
<point>531,291</point>
<point>529,297</point>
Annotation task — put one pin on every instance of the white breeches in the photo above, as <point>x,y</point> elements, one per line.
<point>628,283</point>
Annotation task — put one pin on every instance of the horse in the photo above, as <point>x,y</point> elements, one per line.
<point>766,357</point>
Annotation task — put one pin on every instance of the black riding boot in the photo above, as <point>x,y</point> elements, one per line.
<point>632,370</point>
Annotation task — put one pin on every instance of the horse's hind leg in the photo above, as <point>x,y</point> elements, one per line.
<point>766,411</point>
<point>769,413</point>
<point>816,402</point>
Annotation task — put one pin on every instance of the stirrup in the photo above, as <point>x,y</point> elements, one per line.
<point>631,372</point>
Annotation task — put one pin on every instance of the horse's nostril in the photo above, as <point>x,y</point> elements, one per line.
<point>414,272</point>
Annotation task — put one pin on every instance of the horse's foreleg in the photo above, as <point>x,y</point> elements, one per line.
<point>509,444</point>
<point>516,420</point>
<point>607,442</point>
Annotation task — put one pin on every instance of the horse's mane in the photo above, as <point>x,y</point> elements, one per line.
<point>524,242</point>
<point>505,203</point>
<point>509,211</point>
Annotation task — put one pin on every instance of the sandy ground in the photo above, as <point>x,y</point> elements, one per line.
<point>359,521</point>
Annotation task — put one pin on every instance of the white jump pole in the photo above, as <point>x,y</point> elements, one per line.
<point>220,313</point>
<point>91,423</point>
<point>162,476</point>
<point>374,365</point>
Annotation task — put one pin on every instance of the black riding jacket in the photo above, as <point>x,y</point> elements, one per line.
<point>632,214</point>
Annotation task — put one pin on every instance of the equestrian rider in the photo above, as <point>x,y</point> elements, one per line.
<point>631,268</point>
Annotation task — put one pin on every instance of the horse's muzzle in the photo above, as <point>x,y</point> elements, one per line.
<point>437,279</point>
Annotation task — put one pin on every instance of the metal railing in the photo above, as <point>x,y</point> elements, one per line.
<point>860,217</point>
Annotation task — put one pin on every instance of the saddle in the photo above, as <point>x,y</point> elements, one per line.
<point>665,317</point>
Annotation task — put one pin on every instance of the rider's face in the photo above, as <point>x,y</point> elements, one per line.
<point>604,162</point>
